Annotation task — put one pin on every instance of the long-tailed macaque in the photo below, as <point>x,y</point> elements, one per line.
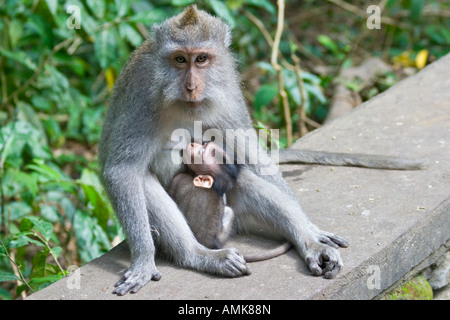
<point>202,197</point>
<point>185,72</point>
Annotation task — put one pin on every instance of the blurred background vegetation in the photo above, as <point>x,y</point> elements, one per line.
<point>56,80</point>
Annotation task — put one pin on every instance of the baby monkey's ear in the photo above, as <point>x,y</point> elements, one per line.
<point>203,181</point>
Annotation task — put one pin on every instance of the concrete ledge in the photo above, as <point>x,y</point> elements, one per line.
<point>394,220</point>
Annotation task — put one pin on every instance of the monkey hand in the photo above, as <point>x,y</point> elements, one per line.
<point>136,277</point>
<point>323,257</point>
<point>227,262</point>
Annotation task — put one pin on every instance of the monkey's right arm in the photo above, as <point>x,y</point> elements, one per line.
<point>124,184</point>
<point>350,159</point>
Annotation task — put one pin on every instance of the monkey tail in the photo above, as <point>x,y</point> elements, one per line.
<point>354,159</point>
<point>266,255</point>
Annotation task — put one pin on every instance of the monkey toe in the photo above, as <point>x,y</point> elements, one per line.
<point>333,240</point>
<point>133,280</point>
<point>232,264</point>
<point>324,259</point>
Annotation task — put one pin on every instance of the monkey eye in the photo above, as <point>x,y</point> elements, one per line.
<point>201,58</point>
<point>180,59</point>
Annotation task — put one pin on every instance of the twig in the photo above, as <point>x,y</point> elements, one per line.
<point>258,23</point>
<point>277,67</point>
<point>15,267</point>
<point>301,86</point>
<point>260,26</point>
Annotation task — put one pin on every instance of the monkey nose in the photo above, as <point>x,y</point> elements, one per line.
<point>190,87</point>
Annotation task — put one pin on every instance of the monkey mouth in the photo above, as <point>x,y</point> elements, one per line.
<point>193,104</point>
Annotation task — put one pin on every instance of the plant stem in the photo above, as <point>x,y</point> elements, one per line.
<point>15,267</point>
<point>277,67</point>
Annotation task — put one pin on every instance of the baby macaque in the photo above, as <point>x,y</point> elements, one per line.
<point>202,197</point>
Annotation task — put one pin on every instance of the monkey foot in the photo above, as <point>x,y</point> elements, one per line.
<point>323,257</point>
<point>228,263</point>
<point>135,278</point>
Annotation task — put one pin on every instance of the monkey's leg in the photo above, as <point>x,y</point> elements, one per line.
<point>130,208</point>
<point>280,211</point>
<point>176,238</point>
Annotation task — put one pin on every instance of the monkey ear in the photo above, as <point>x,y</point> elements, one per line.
<point>203,181</point>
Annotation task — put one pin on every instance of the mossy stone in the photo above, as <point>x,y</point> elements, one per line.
<point>417,288</point>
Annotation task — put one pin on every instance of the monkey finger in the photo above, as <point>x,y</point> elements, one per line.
<point>333,240</point>
<point>329,266</point>
<point>235,270</point>
<point>333,271</point>
<point>122,280</point>
<point>341,242</point>
<point>313,265</point>
<point>328,241</point>
<point>156,276</point>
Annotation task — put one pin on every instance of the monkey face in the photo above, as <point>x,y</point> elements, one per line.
<point>204,159</point>
<point>192,65</point>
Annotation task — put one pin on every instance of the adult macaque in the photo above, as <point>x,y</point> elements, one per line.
<point>183,73</point>
<point>202,197</point>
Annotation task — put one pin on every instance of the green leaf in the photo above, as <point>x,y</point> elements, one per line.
<point>100,208</point>
<point>307,76</point>
<point>39,263</point>
<point>148,17</point>
<point>15,32</point>
<point>52,6</point>
<point>49,213</point>
<point>42,27</point>
<point>18,209</point>
<point>222,11</point>
<point>45,170</point>
<point>416,9</point>
<point>122,7</point>
<point>328,43</point>
<point>267,67</point>
<point>181,3</point>
<point>92,241</point>
<point>265,4</point>
<point>105,47</point>
<point>315,91</point>
<point>47,279</point>
<point>128,32</point>
<point>20,57</point>
<point>56,251</point>
<point>22,239</point>
<point>97,7</point>
<point>8,276</point>
<point>265,94</point>
<point>291,85</point>
<point>43,227</point>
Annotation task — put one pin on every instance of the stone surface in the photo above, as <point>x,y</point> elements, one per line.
<point>393,220</point>
<point>440,276</point>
